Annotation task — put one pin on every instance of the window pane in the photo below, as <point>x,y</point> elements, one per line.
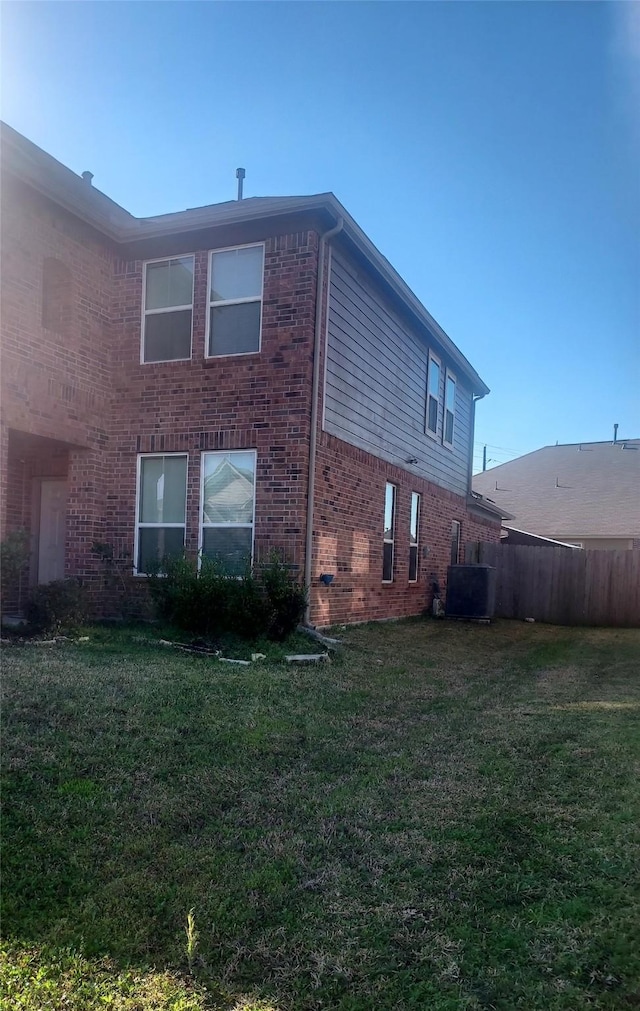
<point>167,336</point>
<point>236,273</point>
<point>432,421</point>
<point>450,396</point>
<point>434,378</point>
<point>235,329</point>
<point>455,542</point>
<point>413,564</point>
<point>389,503</point>
<point>415,506</point>
<point>448,427</point>
<point>229,483</point>
<point>231,546</point>
<point>387,562</point>
<point>156,543</point>
<point>163,489</point>
<point>169,283</point>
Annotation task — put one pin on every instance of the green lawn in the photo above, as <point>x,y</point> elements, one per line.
<point>445,817</point>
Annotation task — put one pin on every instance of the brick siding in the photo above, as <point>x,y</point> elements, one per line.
<point>348,536</point>
<point>79,404</point>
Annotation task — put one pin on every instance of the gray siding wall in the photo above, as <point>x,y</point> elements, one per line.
<point>375,383</point>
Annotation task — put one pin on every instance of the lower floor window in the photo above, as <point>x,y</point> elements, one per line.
<point>162,496</point>
<point>413,536</point>
<point>389,528</point>
<point>455,542</point>
<point>228,508</point>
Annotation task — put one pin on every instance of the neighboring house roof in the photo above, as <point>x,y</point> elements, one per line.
<point>588,489</point>
<point>514,536</point>
<point>41,171</point>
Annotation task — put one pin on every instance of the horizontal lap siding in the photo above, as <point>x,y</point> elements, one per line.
<point>376,378</point>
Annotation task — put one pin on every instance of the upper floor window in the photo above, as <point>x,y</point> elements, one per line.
<point>235,300</point>
<point>389,528</point>
<point>449,410</point>
<point>168,309</point>
<point>56,295</point>
<point>433,396</point>
<point>228,508</point>
<point>162,498</point>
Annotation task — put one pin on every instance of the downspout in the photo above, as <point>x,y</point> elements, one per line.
<point>474,400</point>
<point>313,435</point>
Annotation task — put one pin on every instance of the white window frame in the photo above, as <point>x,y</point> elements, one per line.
<point>139,525</point>
<point>390,540</point>
<point>449,376</point>
<point>429,431</point>
<point>233,301</point>
<point>415,495</point>
<point>235,526</point>
<point>170,308</point>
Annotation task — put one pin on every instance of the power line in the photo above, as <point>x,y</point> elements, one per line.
<point>501,449</point>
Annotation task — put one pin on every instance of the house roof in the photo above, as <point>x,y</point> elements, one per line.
<point>47,175</point>
<point>588,489</point>
<point>516,536</point>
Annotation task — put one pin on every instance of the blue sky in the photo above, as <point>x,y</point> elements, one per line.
<point>490,150</point>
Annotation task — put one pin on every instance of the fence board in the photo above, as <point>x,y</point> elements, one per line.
<point>563,587</point>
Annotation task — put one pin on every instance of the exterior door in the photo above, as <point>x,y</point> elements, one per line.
<point>51,540</point>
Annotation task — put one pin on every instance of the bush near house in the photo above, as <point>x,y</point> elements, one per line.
<point>60,606</point>
<point>14,555</point>
<point>207,599</point>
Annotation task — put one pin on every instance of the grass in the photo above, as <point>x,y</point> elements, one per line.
<point>444,819</point>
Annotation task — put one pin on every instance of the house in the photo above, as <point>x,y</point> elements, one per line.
<point>227,379</point>
<point>586,494</point>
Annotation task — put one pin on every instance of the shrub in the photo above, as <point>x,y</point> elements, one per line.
<point>286,596</point>
<point>176,593</point>
<point>60,606</point>
<point>14,555</point>
<point>246,609</point>
<point>211,601</point>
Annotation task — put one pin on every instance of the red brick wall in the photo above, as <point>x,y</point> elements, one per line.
<point>86,389</point>
<point>56,378</point>
<point>258,401</point>
<point>348,532</point>
<point>56,385</point>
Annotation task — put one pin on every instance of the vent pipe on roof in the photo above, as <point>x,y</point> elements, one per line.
<point>240,174</point>
<point>615,434</point>
<point>87,177</point>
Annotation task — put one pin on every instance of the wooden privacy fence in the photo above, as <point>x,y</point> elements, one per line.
<point>563,586</point>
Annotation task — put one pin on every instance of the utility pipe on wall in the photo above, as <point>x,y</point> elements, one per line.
<point>313,435</point>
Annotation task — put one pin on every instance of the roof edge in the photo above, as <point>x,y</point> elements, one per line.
<point>477,501</point>
<point>59,183</point>
<point>541,537</point>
